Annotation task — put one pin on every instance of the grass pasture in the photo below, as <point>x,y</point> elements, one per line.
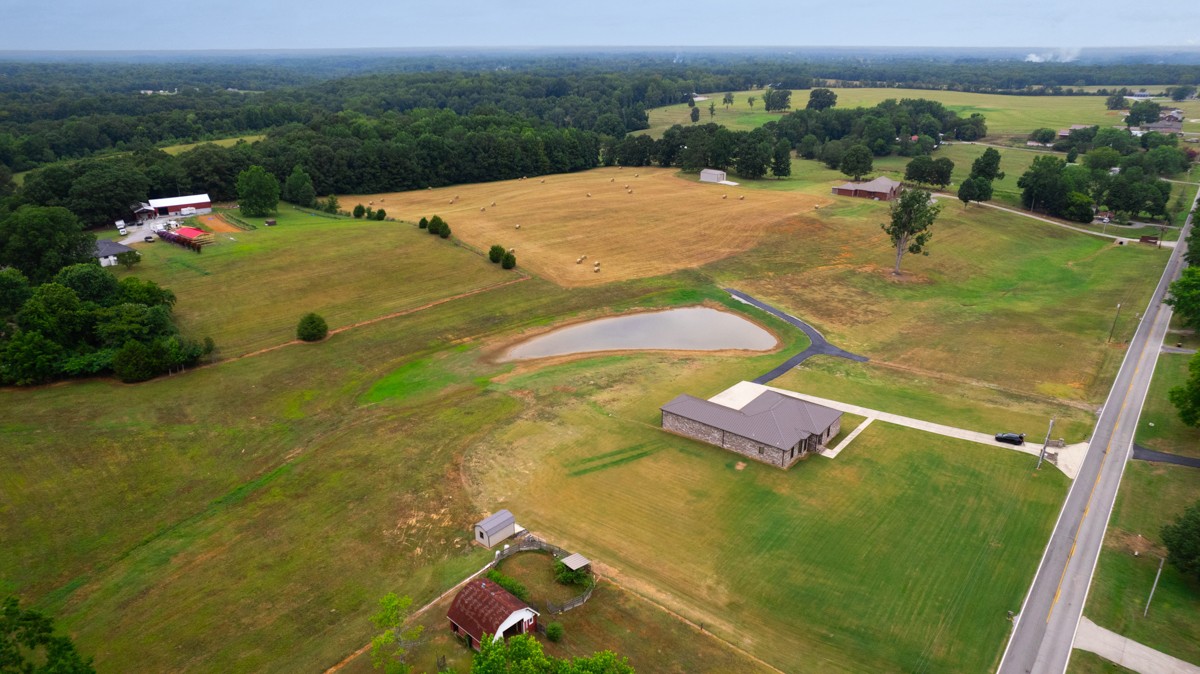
<point>1006,115</point>
<point>250,288</point>
<point>1159,427</point>
<point>667,224</point>
<point>753,553</point>
<point>1151,495</point>
<point>223,142</point>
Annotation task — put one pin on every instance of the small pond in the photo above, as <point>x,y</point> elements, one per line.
<point>688,329</point>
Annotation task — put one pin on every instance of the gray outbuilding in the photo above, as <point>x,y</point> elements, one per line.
<point>494,529</point>
<point>773,428</point>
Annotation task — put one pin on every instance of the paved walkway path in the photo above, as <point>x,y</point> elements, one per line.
<point>1067,460</point>
<point>1144,454</point>
<point>1175,349</point>
<point>819,346</point>
<point>1128,653</point>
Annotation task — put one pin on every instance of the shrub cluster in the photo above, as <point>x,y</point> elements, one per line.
<point>312,328</point>
<point>508,583</point>
<point>436,225</point>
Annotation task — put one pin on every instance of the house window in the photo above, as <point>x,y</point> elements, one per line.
<point>481,534</point>
<point>760,451</point>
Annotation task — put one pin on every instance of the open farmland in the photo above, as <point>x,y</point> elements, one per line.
<point>945,534</point>
<point>248,290</point>
<point>666,224</point>
<point>1006,115</point>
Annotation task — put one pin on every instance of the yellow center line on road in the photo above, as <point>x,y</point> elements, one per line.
<point>1099,473</point>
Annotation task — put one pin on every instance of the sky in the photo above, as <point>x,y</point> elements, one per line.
<point>311,24</point>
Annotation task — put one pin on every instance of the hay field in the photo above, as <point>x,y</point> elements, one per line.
<point>668,222</point>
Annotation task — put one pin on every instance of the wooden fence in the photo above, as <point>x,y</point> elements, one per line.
<point>529,542</point>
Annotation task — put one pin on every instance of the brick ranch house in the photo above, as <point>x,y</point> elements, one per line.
<point>773,428</point>
<point>483,607</point>
<point>881,188</point>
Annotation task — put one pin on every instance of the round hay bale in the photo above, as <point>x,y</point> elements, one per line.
<point>493,203</point>
<point>543,180</point>
<point>724,196</point>
<point>512,250</point>
<point>636,175</point>
<point>596,270</point>
<point>589,194</point>
<point>482,209</point>
<point>742,198</point>
<point>516,226</point>
<point>579,261</point>
<point>611,180</point>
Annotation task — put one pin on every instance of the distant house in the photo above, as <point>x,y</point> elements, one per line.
<point>482,607</point>
<point>1140,95</point>
<point>881,189</point>
<point>492,530</point>
<point>1174,115</point>
<point>773,428</point>
<point>1066,133</point>
<point>189,205</point>
<point>1164,126</point>
<point>107,251</point>
<point>712,176</point>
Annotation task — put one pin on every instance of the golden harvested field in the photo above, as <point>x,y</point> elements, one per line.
<point>667,223</point>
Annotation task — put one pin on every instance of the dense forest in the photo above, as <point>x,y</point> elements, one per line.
<point>53,111</point>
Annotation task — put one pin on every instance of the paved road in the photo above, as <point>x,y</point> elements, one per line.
<point>1045,628</point>
<point>819,347</point>
<point>1143,454</point>
<point>1129,653</point>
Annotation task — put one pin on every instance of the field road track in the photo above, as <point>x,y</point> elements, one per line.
<point>820,346</point>
<point>1045,629</point>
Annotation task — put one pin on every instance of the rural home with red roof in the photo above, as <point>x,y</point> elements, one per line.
<point>881,188</point>
<point>483,607</point>
<point>773,428</point>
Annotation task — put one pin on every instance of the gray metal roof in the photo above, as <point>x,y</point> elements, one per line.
<point>880,184</point>
<point>772,418</point>
<point>497,522</point>
<point>575,561</point>
<point>105,247</point>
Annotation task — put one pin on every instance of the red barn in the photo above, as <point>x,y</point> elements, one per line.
<point>195,203</point>
<point>483,607</point>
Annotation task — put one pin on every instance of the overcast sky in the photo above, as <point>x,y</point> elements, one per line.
<point>313,24</point>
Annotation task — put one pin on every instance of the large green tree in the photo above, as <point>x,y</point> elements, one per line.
<point>90,281</point>
<point>104,192</point>
<point>28,644</point>
<point>913,213</point>
<point>781,160</point>
<point>1185,296</point>
<point>258,192</point>
<point>1186,397</point>
<point>1143,112</point>
<point>389,647</point>
<point>14,290</point>
<point>777,99</point>
<point>819,99</point>
<point>987,166</point>
<point>39,240</point>
<point>298,188</point>
<point>1182,538</point>
<point>857,162</point>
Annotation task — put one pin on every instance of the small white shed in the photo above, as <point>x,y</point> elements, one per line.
<point>712,176</point>
<point>498,527</point>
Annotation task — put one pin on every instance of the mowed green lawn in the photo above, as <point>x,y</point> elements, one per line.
<point>249,289</point>
<point>1151,495</point>
<point>902,554</point>
<point>1159,427</point>
<point>1006,115</point>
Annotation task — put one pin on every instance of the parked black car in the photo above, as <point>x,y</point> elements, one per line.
<point>1011,438</point>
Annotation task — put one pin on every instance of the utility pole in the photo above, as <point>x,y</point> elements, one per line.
<point>1155,587</point>
<point>1045,444</point>
<point>1114,325</point>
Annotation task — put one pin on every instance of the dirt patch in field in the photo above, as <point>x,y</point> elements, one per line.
<point>1130,543</point>
<point>215,223</point>
<point>636,222</point>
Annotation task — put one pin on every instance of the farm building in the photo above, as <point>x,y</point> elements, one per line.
<point>483,607</point>
<point>712,176</point>
<point>1164,126</point>
<point>192,204</point>
<point>1066,133</point>
<point>881,189</point>
<point>773,428</point>
<point>492,530</point>
<point>195,235</point>
<point>107,251</point>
